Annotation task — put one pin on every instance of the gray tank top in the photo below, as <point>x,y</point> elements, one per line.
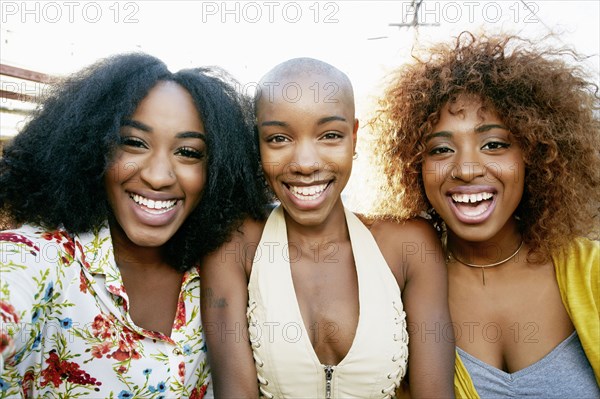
<point>565,372</point>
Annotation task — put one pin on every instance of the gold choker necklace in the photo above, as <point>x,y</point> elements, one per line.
<point>451,255</point>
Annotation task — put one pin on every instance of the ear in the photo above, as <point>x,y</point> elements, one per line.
<point>354,135</point>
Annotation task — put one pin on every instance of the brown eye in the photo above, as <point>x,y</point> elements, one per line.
<point>277,139</point>
<point>132,142</point>
<point>332,136</point>
<point>190,152</point>
<point>495,145</point>
<point>440,150</point>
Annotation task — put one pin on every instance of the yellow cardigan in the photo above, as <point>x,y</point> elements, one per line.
<point>577,269</point>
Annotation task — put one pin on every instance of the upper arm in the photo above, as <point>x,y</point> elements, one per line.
<point>425,291</point>
<point>419,266</point>
<point>223,302</point>
<point>425,296</point>
<point>29,284</point>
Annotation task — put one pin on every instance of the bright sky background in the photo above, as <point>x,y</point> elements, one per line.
<point>247,38</point>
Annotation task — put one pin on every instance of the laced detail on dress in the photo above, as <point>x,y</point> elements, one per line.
<point>400,357</point>
<point>255,343</point>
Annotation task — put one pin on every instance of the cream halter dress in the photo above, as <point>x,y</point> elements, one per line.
<point>286,362</point>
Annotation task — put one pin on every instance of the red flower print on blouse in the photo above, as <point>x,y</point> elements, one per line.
<point>8,314</point>
<point>27,383</point>
<point>180,315</point>
<point>82,253</point>
<point>198,393</point>
<point>61,237</point>
<point>182,370</point>
<point>83,283</point>
<point>59,371</point>
<point>5,340</point>
<point>19,239</point>
<point>103,326</point>
<point>100,350</point>
<point>127,346</point>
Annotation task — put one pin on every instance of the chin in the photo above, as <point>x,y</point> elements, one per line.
<point>149,240</point>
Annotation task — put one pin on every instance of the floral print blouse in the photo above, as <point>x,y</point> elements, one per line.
<point>66,332</point>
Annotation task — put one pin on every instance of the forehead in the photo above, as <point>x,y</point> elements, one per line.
<point>165,94</point>
<point>301,94</point>
<point>169,105</point>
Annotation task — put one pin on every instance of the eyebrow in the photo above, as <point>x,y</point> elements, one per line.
<point>321,121</point>
<point>274,123</point>
<point>485,128</point>
<point>478,129</point>
<point>145,128</point>
<point>137,125</point>
<point>433,135</point>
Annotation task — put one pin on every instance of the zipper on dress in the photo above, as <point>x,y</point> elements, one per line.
<point>328,377</point>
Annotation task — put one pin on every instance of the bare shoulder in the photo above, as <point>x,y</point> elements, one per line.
<point>250,231</point>
<point>405,244</point>
<point>240,247</point>
<point>387,230</point>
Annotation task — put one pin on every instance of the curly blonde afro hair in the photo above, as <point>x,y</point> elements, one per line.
<point>550,105</point>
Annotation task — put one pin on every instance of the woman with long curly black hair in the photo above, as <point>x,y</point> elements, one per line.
<point>121,181</point>
<point>497,138</point>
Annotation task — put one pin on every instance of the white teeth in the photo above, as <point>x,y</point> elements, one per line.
<point>475,211</point>
<point>307,193</point>
<point>472,198</point>
<point>152,204</point>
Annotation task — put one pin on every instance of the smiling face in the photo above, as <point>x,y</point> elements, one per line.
<point>473,171</point>
<point>307,135</point>
<point>159,169</point>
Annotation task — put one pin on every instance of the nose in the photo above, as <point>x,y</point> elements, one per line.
<point>307,159</point>
<point>157,171</point>
<point>467,168</point>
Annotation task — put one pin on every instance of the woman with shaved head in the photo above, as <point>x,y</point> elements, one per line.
<point>337,306</point>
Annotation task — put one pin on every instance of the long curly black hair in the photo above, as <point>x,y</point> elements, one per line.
<point>52,172</point>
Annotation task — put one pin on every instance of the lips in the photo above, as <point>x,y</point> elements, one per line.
<point>153,211</point>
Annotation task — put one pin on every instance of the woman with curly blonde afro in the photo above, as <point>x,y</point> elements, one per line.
<point>496,139</point>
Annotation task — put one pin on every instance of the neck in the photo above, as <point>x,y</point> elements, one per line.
<point>333,229</point>
<point>487,252</point>
<point>128,254</point>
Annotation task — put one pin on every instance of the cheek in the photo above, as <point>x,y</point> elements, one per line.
<point>272,166</point>
<point>518,177</point>
<point>519,172</point>
<point>193,181</point>
<point>511,172</point>
<point>430,175</point>
<point>123,168</point>
<point>111,179</point>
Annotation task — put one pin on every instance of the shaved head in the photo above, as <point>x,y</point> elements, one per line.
<point>305,77</point>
